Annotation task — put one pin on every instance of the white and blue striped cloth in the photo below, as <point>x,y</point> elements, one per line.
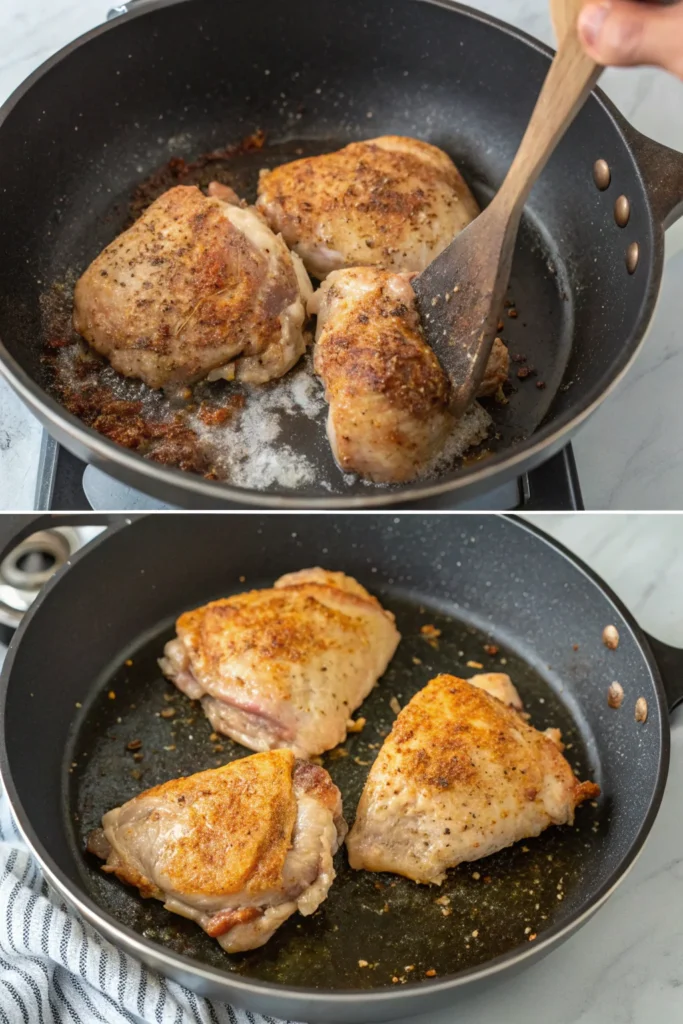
<point>55,968</point>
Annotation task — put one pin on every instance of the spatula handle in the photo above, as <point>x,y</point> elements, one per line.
<point>565,14</point>
<point>569,82</point>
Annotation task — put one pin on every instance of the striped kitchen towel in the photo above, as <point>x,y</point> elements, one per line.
<point>55,967</point>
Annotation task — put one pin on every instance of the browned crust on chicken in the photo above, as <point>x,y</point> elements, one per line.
<point>391,357</point>
<point>460,776</point>
<point>234,828</point>
<point>270,627</point>
<point>186,290</point>
<point>392,201</point>
<point>284,667</point>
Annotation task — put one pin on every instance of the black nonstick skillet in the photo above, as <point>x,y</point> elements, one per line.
<point>168,79</point>
<point>81,682</point>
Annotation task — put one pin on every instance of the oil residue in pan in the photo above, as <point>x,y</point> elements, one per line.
<point>374,929</point>
<point>272,438</point>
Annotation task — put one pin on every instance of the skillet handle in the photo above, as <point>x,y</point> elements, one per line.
<point>662,171</point>
<point>670,662</point>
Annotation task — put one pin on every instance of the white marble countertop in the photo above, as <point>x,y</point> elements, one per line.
<point>626,965</point>
<point>629,454</point>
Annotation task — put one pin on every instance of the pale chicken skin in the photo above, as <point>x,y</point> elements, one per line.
<point>284,667</point>
<point>391,202</point>
<point>460,776</point>
<point>388,395</point>
<point>499,685</point>
<point>236,849</point>
<point>199,287</point>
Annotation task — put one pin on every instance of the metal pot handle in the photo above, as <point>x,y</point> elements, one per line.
<point>16,527</point>
<point>662,171</point>
<point>670,662</point>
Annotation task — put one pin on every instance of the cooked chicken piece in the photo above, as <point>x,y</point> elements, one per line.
<point>284,667</point>
<point>497,370</point>
<point>459,777</point>
<point>388,395</point>
<point>197,287</point>
<point>237,849</point>
<point>391,202</point>
<point>499,685</point>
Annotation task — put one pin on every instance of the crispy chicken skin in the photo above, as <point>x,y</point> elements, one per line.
<point>460,776</point>
<point>284,667</point>
<point>237,849</point>
<point>390,202</point>
<point>198,287</point>
<point>387,393</point>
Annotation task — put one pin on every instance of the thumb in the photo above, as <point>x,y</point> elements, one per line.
<point>624,32</point>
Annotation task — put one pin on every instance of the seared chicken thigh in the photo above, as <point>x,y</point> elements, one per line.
<point>390,202</point>
<point>198,287</point>
<point>284,667</point>
<point>388,395</point>
<point>460,776</point>
<point>237,849</point>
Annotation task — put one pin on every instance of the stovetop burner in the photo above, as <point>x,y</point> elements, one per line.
<point>65,484</point>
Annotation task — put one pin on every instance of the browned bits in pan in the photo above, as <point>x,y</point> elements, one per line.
<point>395,706</point>
<point>474,664</point>
<point>610,637</point>
<point>138,757</point>
<point>431,632</point>
<point>491,649</point>
<point>513,314</point>
<point>615,695</point>
<point>641,710</point>
<point>168,713</point>
<point>356,726</point>
<point>134,745</point>
<point>430,973</point>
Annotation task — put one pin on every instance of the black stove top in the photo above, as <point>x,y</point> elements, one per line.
<point>65,484</point>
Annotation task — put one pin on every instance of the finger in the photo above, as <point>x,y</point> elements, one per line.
<point>623,32</point>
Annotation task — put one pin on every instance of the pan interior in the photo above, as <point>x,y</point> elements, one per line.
<point>290,451</point>
<point>397,927</point>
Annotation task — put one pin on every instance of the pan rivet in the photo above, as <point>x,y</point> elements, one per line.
<point>622,211</point>
<point>602,174</point>
<point>632,256</point>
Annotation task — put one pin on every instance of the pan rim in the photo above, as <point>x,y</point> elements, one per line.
<point>175,962</point>
<point>539,446</point>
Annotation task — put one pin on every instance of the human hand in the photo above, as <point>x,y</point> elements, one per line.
<point>628,32</point>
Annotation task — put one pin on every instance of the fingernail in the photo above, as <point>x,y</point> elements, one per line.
<point>591,20</point>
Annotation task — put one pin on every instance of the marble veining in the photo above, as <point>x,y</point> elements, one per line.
<point>629,454</point>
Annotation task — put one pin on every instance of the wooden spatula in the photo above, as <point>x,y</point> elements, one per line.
<point>460,295</point>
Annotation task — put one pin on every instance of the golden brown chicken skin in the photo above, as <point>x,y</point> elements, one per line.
<point>460,776</point>
<point>388,395</point>
<point>391,202</point>
<point>284,666</point>
<point>198,287</point>
<point>237,849</point>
